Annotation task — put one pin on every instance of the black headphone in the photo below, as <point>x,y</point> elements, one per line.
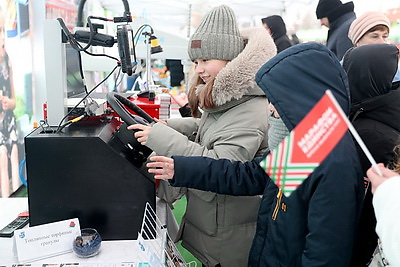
<point>127,14</point>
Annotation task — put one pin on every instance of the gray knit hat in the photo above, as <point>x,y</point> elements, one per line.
<point>217,36</point>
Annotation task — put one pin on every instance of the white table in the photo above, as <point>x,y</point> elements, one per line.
<point>112,253</point>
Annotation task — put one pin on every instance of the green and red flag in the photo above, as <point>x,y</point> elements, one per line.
<point>307,145</point>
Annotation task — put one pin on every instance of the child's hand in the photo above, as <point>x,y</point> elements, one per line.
<point>162,167</point>
<point>142,134</point>
<point>377,179</point>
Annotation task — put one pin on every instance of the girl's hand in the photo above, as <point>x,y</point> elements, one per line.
<point>162,167</point>
<point>142,133</point>
<point>160,121</point>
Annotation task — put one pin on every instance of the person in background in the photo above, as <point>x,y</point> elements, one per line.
<point>372,27</point>
<point>337,17</point>
<point>316,224</point>
<point>8,127</point>
<point>218,229</point>
<point>386,204</point>
<point>277,29</point>
<point>182,101</point>
<point>375,114</point>
<point>175,68</point>
<point>177,76</point>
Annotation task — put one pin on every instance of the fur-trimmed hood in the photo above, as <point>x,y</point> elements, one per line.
<point>238,77</point>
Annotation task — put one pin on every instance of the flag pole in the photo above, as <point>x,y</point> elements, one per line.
<point>354,133</point>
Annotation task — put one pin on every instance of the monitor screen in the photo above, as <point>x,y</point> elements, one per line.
<point>75,85</point>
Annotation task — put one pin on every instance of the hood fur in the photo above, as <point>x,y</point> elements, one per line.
<point>238,77</point>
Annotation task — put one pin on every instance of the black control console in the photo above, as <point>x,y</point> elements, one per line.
<point>88,171</point>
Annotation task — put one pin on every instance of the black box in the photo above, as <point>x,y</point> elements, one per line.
<point>87,172</point>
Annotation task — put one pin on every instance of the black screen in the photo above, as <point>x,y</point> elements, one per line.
<point>75,85</point>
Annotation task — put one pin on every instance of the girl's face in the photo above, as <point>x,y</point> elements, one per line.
<point>208,68</point>
<point>375,37</point>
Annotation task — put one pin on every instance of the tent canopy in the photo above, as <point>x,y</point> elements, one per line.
<point>176,15</point>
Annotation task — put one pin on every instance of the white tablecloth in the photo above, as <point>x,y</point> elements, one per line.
<point>112,253</point>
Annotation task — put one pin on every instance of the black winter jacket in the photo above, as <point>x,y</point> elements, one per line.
<point>278,32</point>
<point>375,115</point>
<point>315,225</point>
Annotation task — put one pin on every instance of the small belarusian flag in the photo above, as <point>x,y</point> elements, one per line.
<point>307,145</point>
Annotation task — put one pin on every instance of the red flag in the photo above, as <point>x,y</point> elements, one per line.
<point>306,146</point>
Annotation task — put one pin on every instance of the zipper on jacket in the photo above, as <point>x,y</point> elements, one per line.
<point>278,204</point>
<point>358,112</point>
<point>284,207</point>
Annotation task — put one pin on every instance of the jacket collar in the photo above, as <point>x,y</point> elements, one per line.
<point>237,79</point>
<point>384,108</point>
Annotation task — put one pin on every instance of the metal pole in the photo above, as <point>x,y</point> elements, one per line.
<point>148,63</point>
<point>186,64</point>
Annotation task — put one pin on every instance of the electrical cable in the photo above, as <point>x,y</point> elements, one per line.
<point>77,46</point>
<point>91,35</point>
<point>81,72</point>
<point>140,30</point>
<point>70,122</point>
<point>116,80</point>
<point>120,80</point>
<point>102,55</point>
<point>74,43</point>
<point>79,19</point>
<point>136,36</point>
<point>68,34</point>
<point>21,172</point>
<point>134,47</point>
<point>83,98</point>
<point>43,124</point>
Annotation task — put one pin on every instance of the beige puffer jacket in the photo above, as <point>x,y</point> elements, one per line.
<point>220,228</point>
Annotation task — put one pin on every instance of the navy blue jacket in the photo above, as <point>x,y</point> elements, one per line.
<point>315,225</point>
<point>338,41</point>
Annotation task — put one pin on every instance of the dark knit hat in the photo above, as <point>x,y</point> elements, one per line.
<point>333,9</point>
<point>217,36</point>
<point>326,6</point>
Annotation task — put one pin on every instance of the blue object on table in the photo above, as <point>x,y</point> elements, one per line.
<point>87,244</point>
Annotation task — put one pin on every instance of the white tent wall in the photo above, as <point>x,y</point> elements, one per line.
<point>175,16</point>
